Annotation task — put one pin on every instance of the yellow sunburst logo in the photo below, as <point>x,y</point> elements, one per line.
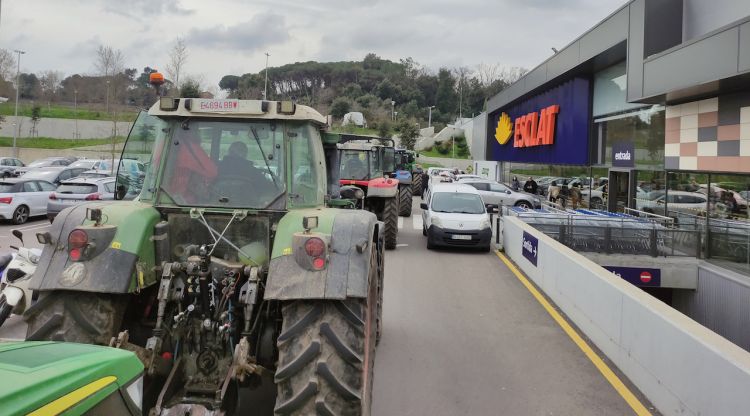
<point>504,129</point>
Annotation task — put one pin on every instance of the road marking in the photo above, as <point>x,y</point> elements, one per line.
<point>402,245</point>
<point>400,222</point>
<point>608,374</point>
<point>32,227</point>
<point>417,222</point>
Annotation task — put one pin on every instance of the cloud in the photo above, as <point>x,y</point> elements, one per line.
<point>262,30</point>
<point>139,9</point>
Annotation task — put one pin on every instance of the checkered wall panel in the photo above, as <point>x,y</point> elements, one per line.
<point>711,134</point>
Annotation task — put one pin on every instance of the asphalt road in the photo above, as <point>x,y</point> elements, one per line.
<point>461,336</point>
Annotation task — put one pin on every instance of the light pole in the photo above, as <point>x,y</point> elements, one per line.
<point>429,118</point>
<point>18,87</point>
<point>460,97</point>
<point>265,86</point>
<point>75,105</point>
<point>106,105</point>
<point>453,145</point>
<point>393,107</point>
<point>395,115</point>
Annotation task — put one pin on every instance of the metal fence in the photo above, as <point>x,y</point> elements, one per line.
<point>613,233</point>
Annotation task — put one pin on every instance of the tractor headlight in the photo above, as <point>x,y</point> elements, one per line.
<point>134,391</point>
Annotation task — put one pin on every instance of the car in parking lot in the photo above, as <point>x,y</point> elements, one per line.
<point>22,198</point>
<point>456,216</point>
<point>54,174</point>
<point>686,202</point>
<point>498,194</point>
<point>8,166</point>
<point>43,163</point>
<point>78,191</point>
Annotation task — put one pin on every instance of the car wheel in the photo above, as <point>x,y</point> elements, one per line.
<point>6,175</point>
<point>523,204</point>
<point>20,215</point>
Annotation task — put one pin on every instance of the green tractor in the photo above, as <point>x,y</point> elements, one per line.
<point>52,378</point>
<point>406,160</point>
<point>237,266</point>
<point>368,164</point>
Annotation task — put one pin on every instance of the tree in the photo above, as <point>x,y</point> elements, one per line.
<point>340,107</point>
<point>384,128</point>
<point>190,89</point>
<point>7,64</point>
<point>446,97</point>
<point>229,83</point>
<point>177,58</point>
<point>407,133</point>
<point>109,61</point>
<point>29,88</point>
<point>50,84</point>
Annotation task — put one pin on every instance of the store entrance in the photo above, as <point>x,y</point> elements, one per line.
<point>619,190</point>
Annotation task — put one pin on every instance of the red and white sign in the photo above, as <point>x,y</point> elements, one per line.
<point>645,277</point>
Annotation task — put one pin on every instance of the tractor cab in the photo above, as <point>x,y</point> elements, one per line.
<point>363,158</point>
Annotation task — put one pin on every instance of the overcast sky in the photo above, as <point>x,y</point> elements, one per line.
<point>231,36</point>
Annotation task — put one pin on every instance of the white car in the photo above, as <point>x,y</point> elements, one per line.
<point>496,193</point>
<point>693,203</point>
<point>598,200</point>
<point>455,216</point>
<point>21,198</point>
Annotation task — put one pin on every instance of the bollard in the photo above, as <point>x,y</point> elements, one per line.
<point>499,233</point>
<point>653,246</point>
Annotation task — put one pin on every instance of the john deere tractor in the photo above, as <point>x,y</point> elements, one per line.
<point>236,267</point>
<point>368,164</point>
<point>406,160</point>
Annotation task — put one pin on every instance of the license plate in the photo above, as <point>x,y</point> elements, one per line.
<point>461,237</point>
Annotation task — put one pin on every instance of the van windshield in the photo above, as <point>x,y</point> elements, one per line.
<point>455,202</point>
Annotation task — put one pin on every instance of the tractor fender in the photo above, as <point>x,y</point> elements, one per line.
<point>404,177</point>
<point>347,269</point>
<point>382,188</point>
<point>119,258</point>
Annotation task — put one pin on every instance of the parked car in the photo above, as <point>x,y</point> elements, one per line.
<point>598,200</point>
<point>21,198</point>
<point>89,164</point>
<point>469,176</point>
<point>455,215</point>
<point>542,187</point>
<point>42,163</point>
<point>679,201</point>
<point>94,174</point>
<point>496,193</point>
<point>8,166</point>
<point>78,191</point>
<point>739,200</point>
<point>54,174</point>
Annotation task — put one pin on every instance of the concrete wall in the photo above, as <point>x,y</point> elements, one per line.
<point>477,140</point>
<point>62,128</point>
<point>682,367</point>
<point>721,303</point>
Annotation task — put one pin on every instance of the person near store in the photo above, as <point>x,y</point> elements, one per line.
<point>564,193</point>
<point>530,186</point>
<point>553,192</point>
<point>515,184</point>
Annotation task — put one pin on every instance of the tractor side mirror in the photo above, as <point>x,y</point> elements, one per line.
<point>423,205</point>
<point>18,234</point>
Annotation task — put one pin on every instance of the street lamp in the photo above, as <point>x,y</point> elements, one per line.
<point>18,87</point>
<point>393,107</point>
<point>265,86</point>
<point>429,118</point>
<point>106,106</point>
<point>75,105</point>
<point>395,115</point>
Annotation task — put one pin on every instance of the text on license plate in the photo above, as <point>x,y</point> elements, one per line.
<point>461,237</point>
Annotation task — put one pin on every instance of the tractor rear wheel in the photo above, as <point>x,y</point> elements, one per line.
<point>83,317</point>
<point>404,204</point>
<point>5,309</point>
<point>390,218</point>
<point>326,354</point>
<point>416,184</point>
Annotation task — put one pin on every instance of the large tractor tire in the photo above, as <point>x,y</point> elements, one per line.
<point>5,310</point>
<point>416,184</point>
<point>390,218</point>
<point>404,203</point>
<point>83,317</point>
<point>327,355</point>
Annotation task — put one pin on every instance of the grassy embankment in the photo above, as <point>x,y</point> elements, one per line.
<point>52,143</point>
<point>63,111</point>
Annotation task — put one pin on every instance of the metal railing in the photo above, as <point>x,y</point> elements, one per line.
<point>613,233</point>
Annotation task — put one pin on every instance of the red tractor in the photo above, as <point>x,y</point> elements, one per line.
<point>367,164</point>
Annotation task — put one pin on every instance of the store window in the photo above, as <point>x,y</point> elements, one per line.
<point>728,224</point>
<point>650,187</point>
<point>610,86</point>
<point>642,131</point>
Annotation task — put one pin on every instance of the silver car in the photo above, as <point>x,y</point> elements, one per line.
<point>78,191</point>
<point>42,163</point>
<point>498,194</point>
<point>54,174</point>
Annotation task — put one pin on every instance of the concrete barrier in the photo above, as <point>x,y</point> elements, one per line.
<point>682,367</point>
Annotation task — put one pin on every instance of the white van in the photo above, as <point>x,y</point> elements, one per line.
<point>455,216</point>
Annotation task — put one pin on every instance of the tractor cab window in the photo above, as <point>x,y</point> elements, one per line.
<point>389,160</point>
<point>355,164</point>
<point>143,150</point>
<point>307,166</point>
<point>228,164</point>
<point>376,164</point>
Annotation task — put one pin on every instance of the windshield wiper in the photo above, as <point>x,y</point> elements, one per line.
<point>265,159</point>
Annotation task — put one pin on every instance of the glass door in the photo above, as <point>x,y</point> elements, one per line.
<point>619,190</point>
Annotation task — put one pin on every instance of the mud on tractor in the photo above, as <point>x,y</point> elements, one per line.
<point>233,270</point>
<point>368,170</point>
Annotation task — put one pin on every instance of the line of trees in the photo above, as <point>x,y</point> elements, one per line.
<point>378,87</point>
